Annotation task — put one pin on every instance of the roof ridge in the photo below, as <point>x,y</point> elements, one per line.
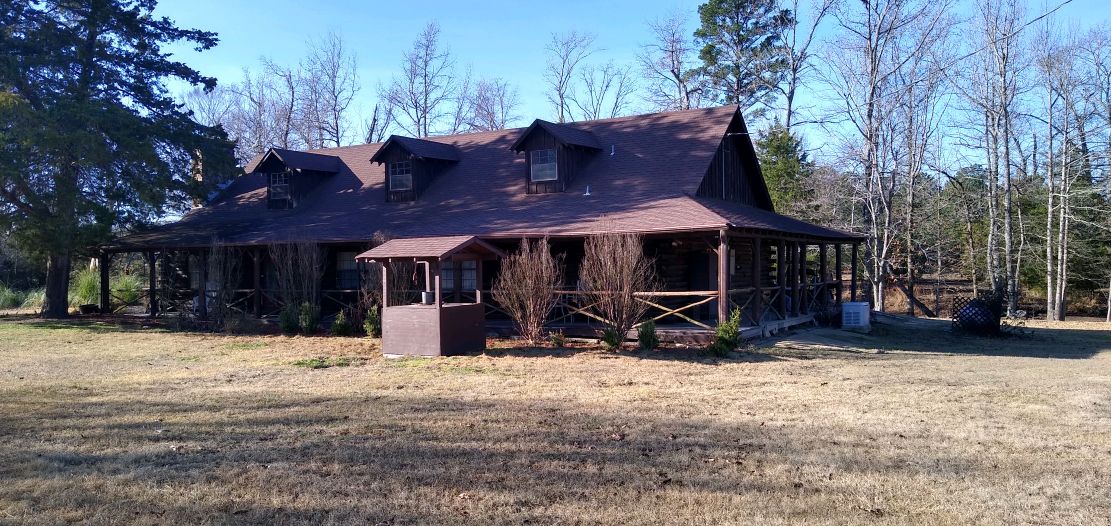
<point>573,124</point>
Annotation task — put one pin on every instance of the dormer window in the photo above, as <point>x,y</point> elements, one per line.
<point>401,175</point>
<point>411,165</point>
<point>291,176</point>
<point>554,155</point>
<point>279,190</point>
<point>543,166</point>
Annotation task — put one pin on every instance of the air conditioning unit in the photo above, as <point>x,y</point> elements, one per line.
<point>856,315</point>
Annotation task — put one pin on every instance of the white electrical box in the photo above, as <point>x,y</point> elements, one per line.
<point>856,315</point>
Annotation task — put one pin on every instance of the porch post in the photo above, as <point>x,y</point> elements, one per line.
<point>796,297</point>
<point>428,276</point>
<point>385,288</point>
<point>436,287</point>
<point>852,276</point>
<point>152,290</point>
<point>757,291</point>
<point>104,262</point>
<point>781,277</point>
<point>837,263</point>
<point>202,293</point>
<point>723,275</point>
<point>256,281</point>
<point>822,271</point>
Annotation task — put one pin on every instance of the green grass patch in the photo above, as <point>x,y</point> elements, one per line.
<point>325,362</point>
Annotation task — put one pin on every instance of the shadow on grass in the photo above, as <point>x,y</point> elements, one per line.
<point>936,337</point>
<point>417,459</point>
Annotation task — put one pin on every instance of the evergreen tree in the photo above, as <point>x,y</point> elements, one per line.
<point>742,53</point>
<point>786,168</point>
<point>93,140</point>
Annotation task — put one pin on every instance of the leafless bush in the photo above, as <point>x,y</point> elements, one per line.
<point>614,268</point>
<point>401,279</point>
<point>224,270</point>
<point>299,268</point>
<point>526,287</point>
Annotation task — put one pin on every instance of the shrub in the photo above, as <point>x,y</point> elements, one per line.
<point>288,320</point>
<point>526,287</point>
<point>646,336</point>
<point>342,327</point>
<point>558,339</point>
<point>85,288</point>
<point>614,270</point>
<point>126,288</point>
<point>612,339</point>
<point>34,299</point>
<point>309,318</point>
<point>727,335</point>
<point>373,323</point>
<point>10,299</point>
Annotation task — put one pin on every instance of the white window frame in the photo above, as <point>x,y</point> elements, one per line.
<point>279,180</point>
<point>400,170</point>
<point>345,263</point>
<point>546,161</point>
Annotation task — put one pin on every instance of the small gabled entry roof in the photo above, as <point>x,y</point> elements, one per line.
<point>565,134</point>
<point>417,148</point>
<point>295,160</point>
<point>429,248</point>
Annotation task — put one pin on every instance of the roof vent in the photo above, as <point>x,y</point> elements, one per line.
<point>587,193</point>
<point>613,149</point>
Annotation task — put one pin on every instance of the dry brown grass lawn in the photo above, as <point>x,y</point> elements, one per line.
<point>103,425</point>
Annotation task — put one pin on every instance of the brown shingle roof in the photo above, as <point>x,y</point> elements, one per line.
<point>564,133</point>
<point>427,247</point>
<point>646,186</point>
<point>418,147</point>
<point>312,161</point>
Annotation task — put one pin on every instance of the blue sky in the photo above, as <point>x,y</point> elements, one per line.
<point>496,38</point>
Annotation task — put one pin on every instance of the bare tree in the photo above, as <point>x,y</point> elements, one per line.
<point>798,39</point>
<point>526,287</point>
<point>378,126</point>
<point>565,53</point>
<point>284,85</point>
<point>673,81</point>
<point>298,268</point>
<point>426,86</point>
<point>332,84</point>
<point>614,271</point>
<point>224,270</point>
<point>879,38</point>
<point>606,92</point>
<point>493,105</point>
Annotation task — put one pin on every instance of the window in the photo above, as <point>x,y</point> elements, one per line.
<point>470,274</point>
<point>468,269</point>
<point>401,175</point>
<point>447,275</point>
<point>347,271</point>
<point>543,166</point>
<point>279,186</point>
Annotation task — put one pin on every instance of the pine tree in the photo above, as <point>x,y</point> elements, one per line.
<point>94,142</point>
<point>786,168</point>
<point>743,53</point>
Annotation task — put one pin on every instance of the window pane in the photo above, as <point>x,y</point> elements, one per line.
<point>447,275</point>
<point>401,182</point>
<point>347,271</point>
<point>470,275</point>
<point>401,175</point>
<point>543,166</point>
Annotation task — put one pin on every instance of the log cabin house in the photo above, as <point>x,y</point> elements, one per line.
<point>688,181</point>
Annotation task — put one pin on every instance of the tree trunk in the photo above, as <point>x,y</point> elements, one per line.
<point>1050,266</point>
<point>56,304</point>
